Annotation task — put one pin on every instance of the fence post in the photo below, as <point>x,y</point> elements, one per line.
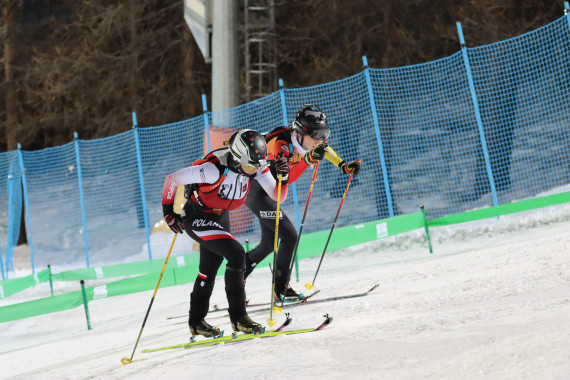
<point>50,280</point>
<point>81,197</point>
<point>378,136</point>
<point>11,226</point>
<point>84,294</point>
<point>1,259</point>
<point>426,228</point>
<point>206,121</point>
<point>477,115</point>
<point>141,182</point>
<point>294,185</point>
<point>27,204</point>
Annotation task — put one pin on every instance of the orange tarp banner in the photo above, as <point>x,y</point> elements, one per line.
<point>241,218</point>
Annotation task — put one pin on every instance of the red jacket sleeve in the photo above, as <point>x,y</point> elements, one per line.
<point>278,148</point>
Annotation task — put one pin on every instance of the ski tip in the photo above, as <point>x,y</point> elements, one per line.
<point>328,320</point>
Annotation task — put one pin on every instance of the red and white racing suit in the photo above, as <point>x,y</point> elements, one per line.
<point>216,188</point>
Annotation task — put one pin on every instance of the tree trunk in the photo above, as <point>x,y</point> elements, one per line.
<point>134,56</point>
<point>10,10</point>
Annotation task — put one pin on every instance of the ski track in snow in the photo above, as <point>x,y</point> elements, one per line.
<point>491,302</point>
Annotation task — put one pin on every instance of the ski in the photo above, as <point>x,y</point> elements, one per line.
<point>216,308</point>
<point>330,299</point>
<point>220,339</point>
<point>246,337</point>
<point>307,301</point>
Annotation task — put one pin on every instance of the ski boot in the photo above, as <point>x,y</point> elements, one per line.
<point>246,325</point>
<point>205,329</point>
<point>246,300</point>
<point>289,295</point>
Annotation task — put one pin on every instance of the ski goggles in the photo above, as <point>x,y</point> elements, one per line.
<point>250,166</point>
<point>320,134</point>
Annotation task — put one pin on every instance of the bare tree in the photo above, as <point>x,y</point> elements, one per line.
<point>98,61</point>
<point>85,65</point>
<point>10,12</point>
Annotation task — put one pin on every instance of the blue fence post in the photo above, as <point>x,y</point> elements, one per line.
<point>567,12</point>
<point>27,204</point>
<point>134,116</point>
<point>11,226</point>
<point>81,197</point>
<point>477,114</point>
<point>2,257</point>
<point>285,124</point>
<point>206,121</point>
<point>141,183</point>
<point>294,185</point>
<point>378,136</point>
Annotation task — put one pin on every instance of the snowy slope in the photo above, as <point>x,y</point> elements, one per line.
<point>492,302</point>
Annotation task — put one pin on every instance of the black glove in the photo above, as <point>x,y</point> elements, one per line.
<point>282,168</point>
<point>172,219</point>
<point>316,155</point>
<point>350,168</point>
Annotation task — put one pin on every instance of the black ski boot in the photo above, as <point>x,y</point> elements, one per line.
<point>289,295</point>
<point>246,325</point>
<point>205,329</point>
<point>245,294</point>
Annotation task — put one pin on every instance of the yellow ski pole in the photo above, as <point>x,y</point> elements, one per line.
<point>127,360</point>
<point>301,229</point>
<point>271,321</point>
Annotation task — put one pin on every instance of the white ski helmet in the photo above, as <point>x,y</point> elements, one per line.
<point>248,147</point>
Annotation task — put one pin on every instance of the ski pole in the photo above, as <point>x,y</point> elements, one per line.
<point>301,229</point>
<point>127,360</point>
<point>271,321</point>
<point>309,285</point>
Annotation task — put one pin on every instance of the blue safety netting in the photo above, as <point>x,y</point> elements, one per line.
<point>10,209</point>
<point>485,126</point>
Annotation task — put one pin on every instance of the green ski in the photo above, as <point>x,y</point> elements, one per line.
<point>246,337</point>
<point>218,340</point>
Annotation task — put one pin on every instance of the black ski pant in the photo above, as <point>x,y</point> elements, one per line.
<point>212,231</point>
<point>264,208</point>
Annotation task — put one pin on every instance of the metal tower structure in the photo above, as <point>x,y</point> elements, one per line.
<point>260,66</point>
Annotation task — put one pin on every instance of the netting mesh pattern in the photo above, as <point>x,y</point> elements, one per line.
<point>485,126</point>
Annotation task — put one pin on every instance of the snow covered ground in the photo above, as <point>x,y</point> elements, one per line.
<point>492,302</point>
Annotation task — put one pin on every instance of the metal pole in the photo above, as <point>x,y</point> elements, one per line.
<point>141,182</point>
<point>206,122</point>
<point>477,115</point>
<point>81,198</point>
<point>295,257</point>
<point>426,228</point>
<point>271,321</point>
<point>311,284</point>
<point>225,55</point>
<point>126,360</point>
<point>27,203</point>
<point>372,102</point>
<point>294,185</point>
<point>84,294</point>
<point>50,280</point>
